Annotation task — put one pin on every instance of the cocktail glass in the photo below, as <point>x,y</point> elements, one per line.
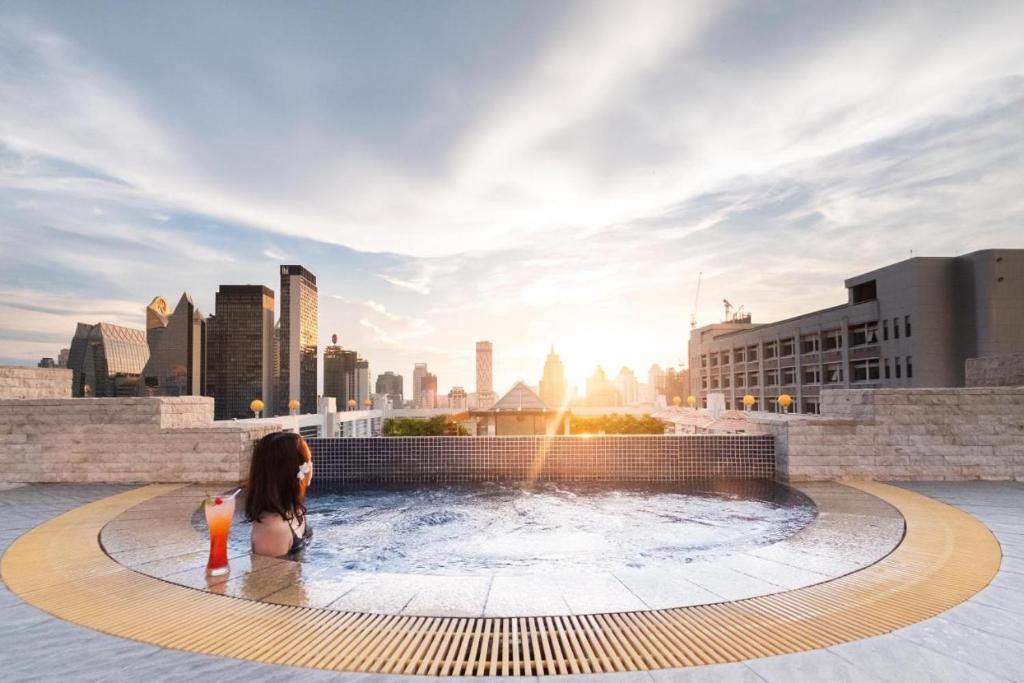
<point>219,512</point>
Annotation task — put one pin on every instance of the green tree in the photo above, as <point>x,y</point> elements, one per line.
<point>410,426</point>
<point>616,424</point>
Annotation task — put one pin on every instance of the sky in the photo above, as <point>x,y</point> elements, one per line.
<point>530,173</point>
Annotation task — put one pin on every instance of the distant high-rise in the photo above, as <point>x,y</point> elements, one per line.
<point>339,374</point>
<point>418,373</point>
<point>46,362</point>
<point>485,396</point>
<point>177,349</point>
<point>625,383</point>
<point>106,360</point>
<point>299,340</point>
<point>600,391</point>
<point>362,383</point>
<point>240,345</point>
<point>62,358</point>
<point>428,389</point>
<point>457,398</point>
<point>655,382</point>
<point>553,384</point>
<point>389,384</point>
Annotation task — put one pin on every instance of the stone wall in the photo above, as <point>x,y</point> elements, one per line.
<point>996,371</point>
<point>124,440</point>
<point>20,382</point>
<point>444,460</point>
<point>904,434</point>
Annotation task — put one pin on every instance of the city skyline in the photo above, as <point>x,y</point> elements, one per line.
<point>440,203</point>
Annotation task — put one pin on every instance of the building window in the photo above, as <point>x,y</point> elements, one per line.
<point>771,378</point>
<point>887,368</point>
<point>812,375</point>
<point>714,382</point>
<point>834,374</point>
<point>810,344</point>
<point>770,350</point>
<point>714,360</point>
<point>725,381</point>
<point>910,364</point>
<point>703,382</point>
<point>773,404</point>
<point>898,369</point>
<point>864,370</point>
<point>865,291</point>
<point>751,353</point>
<point>752,379</point>
<point>810,406</point>
<point>885,330</point>
<point>906,328</point>
<point>703,360</point>
<point>737,355</point>
<point>788,377</point>
<point>786,348</point>
<point>739,379</point>
<point>833,340</point>
<point>861,335</point>
<point>896,329</point>
<point>725,357</point>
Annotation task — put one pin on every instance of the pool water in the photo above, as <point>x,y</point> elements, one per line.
<point>498,528</point>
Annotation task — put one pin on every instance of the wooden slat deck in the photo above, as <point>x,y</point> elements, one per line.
<point>946,556</point>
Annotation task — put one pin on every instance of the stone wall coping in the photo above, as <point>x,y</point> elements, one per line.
<point>127,401</point>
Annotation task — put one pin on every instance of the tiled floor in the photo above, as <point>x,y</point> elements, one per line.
<point>981,640</point>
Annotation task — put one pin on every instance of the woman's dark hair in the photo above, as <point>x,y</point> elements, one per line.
<point>274,486</point>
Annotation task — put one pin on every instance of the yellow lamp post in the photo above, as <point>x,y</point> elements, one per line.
<point>256,407</point>
<point>749,401</point>
<point>691,401</point>
<point>293,406</point>
<point>677,401</point>
<point>351,404</point>
<point>785,400</point>
<point>367,403</point>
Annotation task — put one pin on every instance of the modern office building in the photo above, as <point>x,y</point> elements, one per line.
<point>62,358</point>
<point>677,384</point>
<point>655,382</point>
<point>629,389</point>
<point>339,374</point>
<point>389,384</point>
<point>485,396</point>
<point>910,324</point>
<point>106,360</point>
<point>600,391</point>
<point>457,399</point>
<point>428,391</point>
<point>239,351</point>
<point>299,340</point>
<point>177,349</point>
<point>363,383</point>
<point>553,384</point>
<point>418,373</point>
<point>46,362</point>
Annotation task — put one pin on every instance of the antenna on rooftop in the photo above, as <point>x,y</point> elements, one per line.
<point>728,309</point>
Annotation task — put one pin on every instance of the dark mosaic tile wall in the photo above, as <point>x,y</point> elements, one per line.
<point>441,459</point>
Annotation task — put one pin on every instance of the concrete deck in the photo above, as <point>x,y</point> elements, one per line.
<point>982,639</point>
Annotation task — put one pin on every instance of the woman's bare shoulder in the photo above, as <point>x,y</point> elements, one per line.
<point>271,535</point>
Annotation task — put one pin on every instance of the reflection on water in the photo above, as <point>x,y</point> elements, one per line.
<point>499,528</point>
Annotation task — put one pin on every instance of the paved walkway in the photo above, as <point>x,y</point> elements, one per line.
<point>981,640</point>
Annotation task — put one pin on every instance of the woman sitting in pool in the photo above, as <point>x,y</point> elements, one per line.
<point>275,496</point>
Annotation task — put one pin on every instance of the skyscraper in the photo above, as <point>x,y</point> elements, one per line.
<point>240,344</point>
<point>177,349</point>
<point>362,383</point>
<point>552,384</point>
<point>62,358</point>
<point>390,385</point>
<point>428,391</point>
<point>299,340</point>
<point>418,372</point>
<point>339,373</point>
<point>655,382</point>
<point>457,398</point>
<point>106,360</point>
<point>600,391</point>
<point>629,390</point>
<point>485,396</point>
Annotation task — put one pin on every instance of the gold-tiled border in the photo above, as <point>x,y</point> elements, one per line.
<point>945,557</point>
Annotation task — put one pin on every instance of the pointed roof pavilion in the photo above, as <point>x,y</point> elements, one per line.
<point>520,397</point>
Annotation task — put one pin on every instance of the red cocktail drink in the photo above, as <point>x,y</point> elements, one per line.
<point>219,512</point>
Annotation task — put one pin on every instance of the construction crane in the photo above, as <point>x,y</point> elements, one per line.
<point>696,298</point>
